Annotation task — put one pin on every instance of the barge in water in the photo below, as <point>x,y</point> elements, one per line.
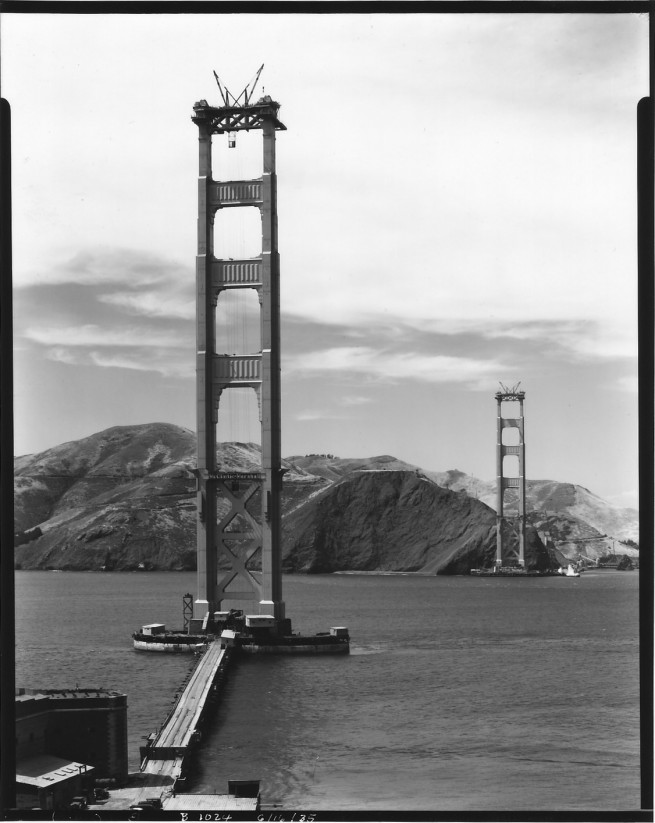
<point>517,571</point>
<point>154,638</point>
<point>251,633</point>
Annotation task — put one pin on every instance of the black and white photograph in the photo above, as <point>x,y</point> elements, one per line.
<point>326,422</point>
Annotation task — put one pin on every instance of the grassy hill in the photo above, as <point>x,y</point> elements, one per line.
<point>124,498</point>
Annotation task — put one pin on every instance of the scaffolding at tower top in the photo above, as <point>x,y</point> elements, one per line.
<point>237,113</point>
<point>511,393</point>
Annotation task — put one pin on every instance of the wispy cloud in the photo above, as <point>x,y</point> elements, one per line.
<point>393,366</point>
<point>308,415</point>
<point>162,361</point>
<point>169,303</point>
<point>628,383</point>
<point>147,284</point>
<point>98,266</point>
<point>59,354</point>
<point>355,400</point>
<point>137,361</point>
<point>585,338</point>
<point>76,318</point>
<point>94,335</point>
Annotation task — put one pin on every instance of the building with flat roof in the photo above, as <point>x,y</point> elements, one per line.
<point>48,782</point>
<point>65,740</point>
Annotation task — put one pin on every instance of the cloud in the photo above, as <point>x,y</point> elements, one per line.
<point>94,335</point>
<point>170,303</point>
<point>166,351</point>
<point>164,361</point>
<point>355,400</point>
<point>628,383</point>
<point>75,317</point>
<point>308,415</point>
<point>142,361</point>
<point>587,338</point>
<point>61,355</point>
<point>98,266</point>
<point>150,285</point>
<point>393,366</point>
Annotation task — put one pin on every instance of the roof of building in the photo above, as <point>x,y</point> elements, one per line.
<point>23,694</point>
<point>22,698</point>
<point>45,770</point>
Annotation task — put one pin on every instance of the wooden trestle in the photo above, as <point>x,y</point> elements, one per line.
<point>165,754</point>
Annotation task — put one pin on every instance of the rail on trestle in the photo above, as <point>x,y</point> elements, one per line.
<point>167,750</point>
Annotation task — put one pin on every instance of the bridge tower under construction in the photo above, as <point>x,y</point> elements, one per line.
<point>238,511</point>
<point>510,475</point>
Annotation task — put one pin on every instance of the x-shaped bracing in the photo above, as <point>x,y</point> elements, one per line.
<point>244,552</point>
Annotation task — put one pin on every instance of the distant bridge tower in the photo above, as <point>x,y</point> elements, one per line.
<point>226,546</point>
<point>510,529</point>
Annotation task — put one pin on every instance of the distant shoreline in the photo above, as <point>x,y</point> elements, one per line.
<point>393,574</point>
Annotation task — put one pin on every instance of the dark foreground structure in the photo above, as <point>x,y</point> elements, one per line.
<point>66,740</point>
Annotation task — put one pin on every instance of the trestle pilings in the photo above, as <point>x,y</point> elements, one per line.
<point>168,750</point>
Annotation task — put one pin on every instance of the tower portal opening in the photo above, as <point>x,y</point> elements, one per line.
<point>243,161</point>
<point>238,422</point>
<point>510,436</point>
<point>238,322</point>
<point>237,233</point>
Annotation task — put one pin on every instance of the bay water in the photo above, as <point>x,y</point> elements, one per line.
<point>459,693</point>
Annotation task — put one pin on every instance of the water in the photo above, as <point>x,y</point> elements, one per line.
<point>459,693</point>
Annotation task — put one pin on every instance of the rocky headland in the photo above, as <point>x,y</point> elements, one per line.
<point>124,499</point>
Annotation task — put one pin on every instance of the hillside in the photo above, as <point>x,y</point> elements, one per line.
<point>576,522</point>
<point>388,520</point>
<point>117,499</point>
<point>124,499</point>
<point>121,499</point>
<point>573,503</point>
<point>334,468</point>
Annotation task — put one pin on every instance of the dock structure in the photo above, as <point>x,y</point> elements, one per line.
<point>165,753</point>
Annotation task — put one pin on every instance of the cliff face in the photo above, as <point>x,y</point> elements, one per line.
<point>125,499</point>
<point>393,521</point>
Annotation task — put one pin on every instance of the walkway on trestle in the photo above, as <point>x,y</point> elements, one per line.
<point>176,738</point>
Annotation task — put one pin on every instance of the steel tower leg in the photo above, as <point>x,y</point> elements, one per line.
<point>226,547</point>
<point>521,524</point>
<point>503,526</point>
<point>500,497</point>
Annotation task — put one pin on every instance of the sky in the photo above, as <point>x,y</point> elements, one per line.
<point>456,207</point>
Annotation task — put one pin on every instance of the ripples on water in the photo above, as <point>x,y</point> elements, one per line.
<point>458,693</point>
